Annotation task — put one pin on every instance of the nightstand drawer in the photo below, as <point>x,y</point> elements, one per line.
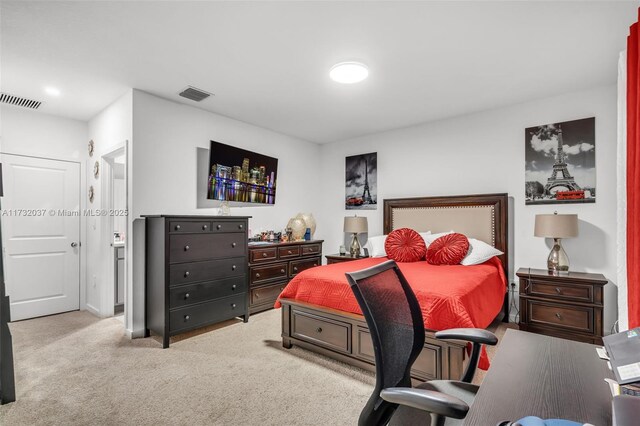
<point>577,318</point>
<point>548,289</point>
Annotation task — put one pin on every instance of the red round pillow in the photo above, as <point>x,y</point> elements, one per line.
<point>405,245</point>
<point>449,249</point>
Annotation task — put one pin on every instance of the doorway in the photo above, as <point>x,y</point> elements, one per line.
<point>41,235</point>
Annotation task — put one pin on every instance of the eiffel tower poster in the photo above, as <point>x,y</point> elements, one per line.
<point>561,163</point>
<point>361,182</point>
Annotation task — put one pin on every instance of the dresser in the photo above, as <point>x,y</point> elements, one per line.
<point>568,306</point>
<point>272,265</point>
<point>196,272</point>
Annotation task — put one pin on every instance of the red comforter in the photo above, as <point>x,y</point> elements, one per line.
<point>449,296</point>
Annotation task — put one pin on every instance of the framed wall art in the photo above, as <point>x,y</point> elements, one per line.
<point>361,182</point>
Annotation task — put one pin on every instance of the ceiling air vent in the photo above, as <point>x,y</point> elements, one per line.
<point>194,94</point>
<point>18,101</point>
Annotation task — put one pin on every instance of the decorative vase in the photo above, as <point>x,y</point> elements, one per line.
<point>298,227</point>
<point>224,209</point>
<point>309,221</point>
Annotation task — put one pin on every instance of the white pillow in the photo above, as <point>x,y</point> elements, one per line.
<point>429,238</point>
<point>479,252</point>
<point>424,236</point>
<point>375,245</point>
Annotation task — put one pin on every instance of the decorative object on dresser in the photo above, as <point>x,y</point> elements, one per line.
<point>568,306</point>
<point>355,225</point>
<point>297,227</point>
<point>309,222</point>
<point>557,226</point>
<point>272,265</point>
<point>339,258</point>
<point>196,272</point>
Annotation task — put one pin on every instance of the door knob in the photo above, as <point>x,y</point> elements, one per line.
<point>74,244</point>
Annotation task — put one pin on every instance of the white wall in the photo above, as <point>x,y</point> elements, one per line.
<point>32,133</point>
<point>109,130</point>
<point>166,139</point>
<point>484,153</point>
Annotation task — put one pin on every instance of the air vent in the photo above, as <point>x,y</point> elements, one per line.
<point>194,94</point>
<point>18,101</point>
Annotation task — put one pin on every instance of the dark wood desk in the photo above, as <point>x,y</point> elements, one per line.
<point>548,377</point>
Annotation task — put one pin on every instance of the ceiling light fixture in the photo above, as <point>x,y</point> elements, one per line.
<point>349,72</point>
<point>52,91</point>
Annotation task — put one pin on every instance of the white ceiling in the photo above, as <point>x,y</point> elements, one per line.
<point>268,62</point>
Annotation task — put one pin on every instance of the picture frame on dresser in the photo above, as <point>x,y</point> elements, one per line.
<point>196,272</point>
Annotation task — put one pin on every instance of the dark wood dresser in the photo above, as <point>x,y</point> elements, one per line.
<point>272,265</point>
<point>196,272</point>
<point>568,306</point>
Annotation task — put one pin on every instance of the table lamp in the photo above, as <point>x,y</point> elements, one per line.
<point>557,226</point>
<point>355,225</point>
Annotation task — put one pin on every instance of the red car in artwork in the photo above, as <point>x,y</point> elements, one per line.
<point>355,201</point>
<point>570,195</point>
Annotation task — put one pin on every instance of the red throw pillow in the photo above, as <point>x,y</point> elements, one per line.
<point>449,249</point>
<point>405,245</point>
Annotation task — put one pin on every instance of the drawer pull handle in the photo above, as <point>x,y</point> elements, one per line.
<point>233,306</point>
<point>264,254</point>
<point>177,227</point>
<point>315,264</point>
<point>257,275</point>
<point>233,287</point>
<point>282,271</point>
<point>290,252</point>
<point>233,245</point>
<point>257,295</point>
<point>218,226</point>
<point>204,227</point>
<point>558,315</point>
<point>295,268</point>
<point>558,290</point>
<point>186,274</point>
<point>240,227</point>
<point>186,296</point>
<point>233,267</point>
<point>187,317</point>
<point>281,288</point>
<point>186,248</point>
<point>319,329</point>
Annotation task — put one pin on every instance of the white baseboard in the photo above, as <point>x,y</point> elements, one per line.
<point>93,310</point>
<point>134,334</point>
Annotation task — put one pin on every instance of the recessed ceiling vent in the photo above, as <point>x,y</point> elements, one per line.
<point>18,101</point>
<point>194,94</point>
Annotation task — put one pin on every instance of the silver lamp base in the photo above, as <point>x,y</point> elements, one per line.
<point>354,249</point>
<point>558,261</point>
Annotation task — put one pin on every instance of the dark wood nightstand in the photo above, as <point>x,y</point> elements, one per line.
<point>568,306</point>
<point>339,258</point>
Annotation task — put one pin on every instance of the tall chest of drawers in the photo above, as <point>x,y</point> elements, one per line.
<point>196,272</point>
<point>271,266</point>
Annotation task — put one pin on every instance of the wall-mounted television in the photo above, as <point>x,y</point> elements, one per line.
<point>236,174</point>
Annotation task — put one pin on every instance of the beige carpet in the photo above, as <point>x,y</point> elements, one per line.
<point>76,369</point>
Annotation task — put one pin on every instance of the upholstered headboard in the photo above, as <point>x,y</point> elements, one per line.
<point>483,217</point>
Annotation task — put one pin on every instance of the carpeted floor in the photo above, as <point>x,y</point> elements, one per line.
<point>76,369</point>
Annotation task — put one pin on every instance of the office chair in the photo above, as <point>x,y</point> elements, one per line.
<point>395,322</point>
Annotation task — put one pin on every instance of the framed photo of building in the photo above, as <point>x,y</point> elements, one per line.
<point>560,162</point>
<point>361,182</point>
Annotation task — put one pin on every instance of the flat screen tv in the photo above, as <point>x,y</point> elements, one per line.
<point>236,174</point>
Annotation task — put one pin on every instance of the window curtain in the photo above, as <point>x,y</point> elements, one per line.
<point>633,180</point>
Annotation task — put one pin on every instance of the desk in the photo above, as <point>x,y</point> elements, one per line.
<point>543,376</point>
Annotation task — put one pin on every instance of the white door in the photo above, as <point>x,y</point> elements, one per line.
<point>40,233</point>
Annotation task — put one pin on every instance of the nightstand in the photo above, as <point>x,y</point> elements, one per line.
<point>339,258</point>
<point>568,306</point>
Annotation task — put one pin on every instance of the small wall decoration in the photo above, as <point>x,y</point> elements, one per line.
<point>96,169</point>
<point>361,182</point>
<point>91,193</point>
<point>560,163</point>
<point>91,147</point>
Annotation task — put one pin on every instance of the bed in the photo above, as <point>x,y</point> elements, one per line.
<point>319,312</point>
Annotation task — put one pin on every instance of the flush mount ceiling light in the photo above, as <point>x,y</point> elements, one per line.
<point>349,72</point>
<point>52,91</point>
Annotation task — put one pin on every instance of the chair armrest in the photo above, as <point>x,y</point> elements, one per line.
<point>473,335</point>
<point>427,400</point>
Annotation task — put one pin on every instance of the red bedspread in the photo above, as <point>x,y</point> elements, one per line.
<point>449,296</point>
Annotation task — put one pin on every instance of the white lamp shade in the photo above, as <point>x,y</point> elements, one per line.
<point>556,225</point>
<point>355,224</point>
